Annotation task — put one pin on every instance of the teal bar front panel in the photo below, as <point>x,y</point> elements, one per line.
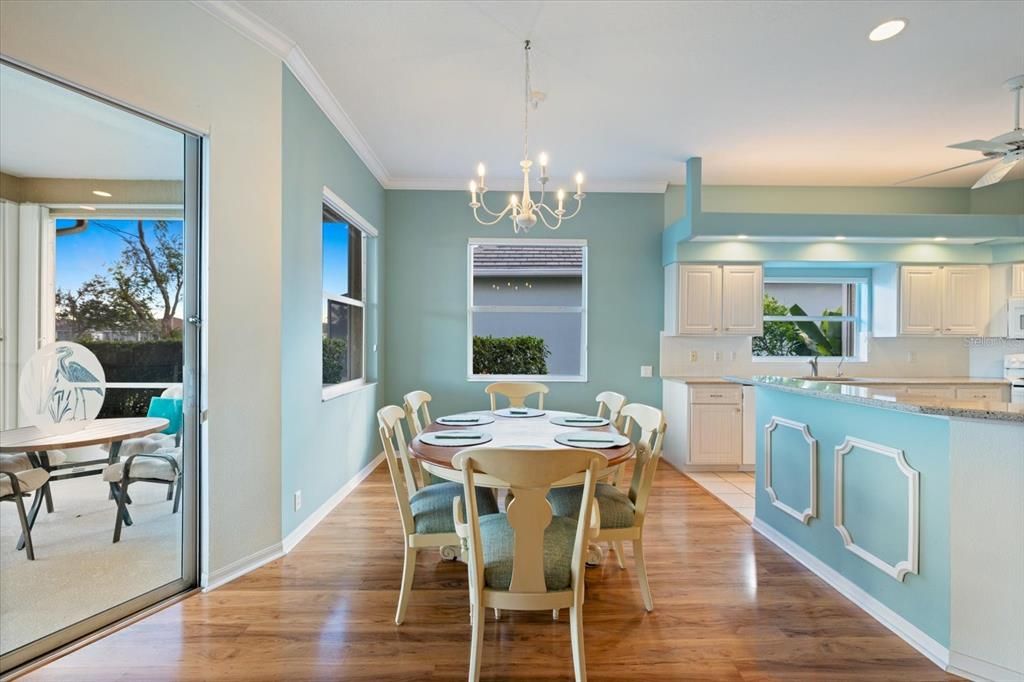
<point>875,497</point>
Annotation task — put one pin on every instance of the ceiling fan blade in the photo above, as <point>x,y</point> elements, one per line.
<point>999,171</point>
<point>1013,137</point>
<point>989,146</point>
<point>944,170</point>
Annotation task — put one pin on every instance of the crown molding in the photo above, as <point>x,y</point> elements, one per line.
<point>287,50</point>
<point>284,48</point>
<point>509,185</point>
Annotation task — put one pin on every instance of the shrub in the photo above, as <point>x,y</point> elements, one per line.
<point>138,361</point>
<point>333,360</point>
<point>510,355</point>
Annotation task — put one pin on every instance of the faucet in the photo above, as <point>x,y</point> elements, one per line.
<point>814,366</point>
<point>839,369</point>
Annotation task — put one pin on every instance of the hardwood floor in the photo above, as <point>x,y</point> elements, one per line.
<point>729,605</point>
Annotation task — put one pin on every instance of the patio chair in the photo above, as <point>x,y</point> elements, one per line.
<point>162,466</point>
<point>17,479</point>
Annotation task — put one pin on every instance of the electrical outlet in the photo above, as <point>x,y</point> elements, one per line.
<point>732,356</point>
<point>297,500</point>
<point>646,370</point>
<point>911,356</point>
<point>693,356</point>
<point>718,356</point>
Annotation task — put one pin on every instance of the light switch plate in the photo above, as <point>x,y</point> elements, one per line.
<point>297,500</point>
<point>693,356</point>
<point>646,370</point>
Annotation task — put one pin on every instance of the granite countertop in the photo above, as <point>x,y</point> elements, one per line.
<point>700,380</point>
<point>862,381</point>
<point>940,407</point>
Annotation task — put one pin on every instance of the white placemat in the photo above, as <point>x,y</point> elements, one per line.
<point>453,438</point>
<point>591,441</point>
<point>465,420</point>
<point>581,421</point>
<point>519,412</point>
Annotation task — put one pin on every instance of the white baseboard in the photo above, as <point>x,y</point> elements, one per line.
<point>976,669</point>
<point>327,507</point>
<point>908,632</point>
<point>237,569</point>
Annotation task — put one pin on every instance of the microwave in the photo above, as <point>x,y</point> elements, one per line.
<point>1015,318</point>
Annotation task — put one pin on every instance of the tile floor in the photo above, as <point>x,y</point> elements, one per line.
<point>734,488</point>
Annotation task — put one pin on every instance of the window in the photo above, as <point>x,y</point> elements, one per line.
<point>528,309</point>
<point>811,317</point>
<point>344,237</point>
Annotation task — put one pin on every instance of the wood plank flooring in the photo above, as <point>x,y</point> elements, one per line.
<point>729,605</point>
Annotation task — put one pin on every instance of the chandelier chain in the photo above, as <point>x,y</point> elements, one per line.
<point>526,105</point>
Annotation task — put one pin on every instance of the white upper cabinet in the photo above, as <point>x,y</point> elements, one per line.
<point>742,300</point>
<point>1017,287</point>
<point>700,299</point>
<point>710,300</point>
<point>949,300</point>
<point>964,298</point>
<point>920,299</point>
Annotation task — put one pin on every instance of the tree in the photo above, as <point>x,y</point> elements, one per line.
<point>97,305</point>
<point>780,338</point>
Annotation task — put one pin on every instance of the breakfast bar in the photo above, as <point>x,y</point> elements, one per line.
<point>901,503</point>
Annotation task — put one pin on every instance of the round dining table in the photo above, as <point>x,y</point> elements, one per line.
<point>533,433</point>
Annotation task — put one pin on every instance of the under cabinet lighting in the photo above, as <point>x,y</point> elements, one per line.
<point>101,193</point>
<point>839,237</point>
<point>87,208</point>
<point>742,236</point>
<point>940,239</point>
<point>887,29</point>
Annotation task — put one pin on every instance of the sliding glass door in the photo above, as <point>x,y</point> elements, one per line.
<point>99,363</point>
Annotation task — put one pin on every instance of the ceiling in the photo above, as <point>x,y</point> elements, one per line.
<point>48,131</point>
<point>768,93</point>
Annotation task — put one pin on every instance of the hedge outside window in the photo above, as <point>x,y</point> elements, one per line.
<point>811,317</point>
<point>344,248</point>
<point>527,309</point>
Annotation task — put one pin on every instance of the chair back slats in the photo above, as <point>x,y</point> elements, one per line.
<point>613,403</point>
<point>529,474</point>
<point>397,455</point>
<point>651,424</point>
<point>416,403</point>
<point>517,392</point>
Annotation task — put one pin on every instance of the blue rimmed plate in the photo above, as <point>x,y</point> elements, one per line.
<point>453,438</point>
<point>591,441</point>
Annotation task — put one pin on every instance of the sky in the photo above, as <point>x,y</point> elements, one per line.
<point>88,253</point>
<point>335,258</point>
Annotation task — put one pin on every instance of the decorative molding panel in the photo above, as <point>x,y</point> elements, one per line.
<point>910,564</point>
<point>811,511</point>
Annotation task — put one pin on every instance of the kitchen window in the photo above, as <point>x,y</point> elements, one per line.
<point>807,317</point>
<point>527,309</point>
<point>343,311</point>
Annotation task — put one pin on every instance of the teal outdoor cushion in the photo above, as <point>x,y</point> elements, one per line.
<point>432,506</point>
<point>169,409</point>
<point>617,510</point>
<point>497,538</point>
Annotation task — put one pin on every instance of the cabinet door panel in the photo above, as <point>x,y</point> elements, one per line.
<point>920,300</point>
<point>716,434</point>
<point>742,300</point>
<point>700,299</point>
<point>946,392</point>
<point>992,393</point>
<point>964,298</point>
<point>1017,286</point>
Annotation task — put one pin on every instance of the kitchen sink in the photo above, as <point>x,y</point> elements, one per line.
<point>826,378</point>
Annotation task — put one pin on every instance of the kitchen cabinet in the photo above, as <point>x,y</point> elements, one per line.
<point>716,425</point>
<point>714,300</point>
<point>991,393</point>
<point>1017,282</point>
<point>943,300</point>
<point>946,392</point>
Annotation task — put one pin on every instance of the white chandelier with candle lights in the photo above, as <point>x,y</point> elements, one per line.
<point>524,212</point>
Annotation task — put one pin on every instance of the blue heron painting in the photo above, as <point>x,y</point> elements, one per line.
<point>68,403</point>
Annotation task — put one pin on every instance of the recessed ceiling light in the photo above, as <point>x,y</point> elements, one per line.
<point>101,193</point>
<point>839,237</point>
<point>742,236</point>
<point>940,239</point>
<point>887,29</point>
<point>87,208</point>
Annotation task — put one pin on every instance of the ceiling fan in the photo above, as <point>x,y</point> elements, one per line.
<point>1007,150</point>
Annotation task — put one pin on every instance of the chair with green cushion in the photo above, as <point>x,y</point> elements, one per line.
<point>526,559</point>
<point>426,511</point>
<point>622,513</point>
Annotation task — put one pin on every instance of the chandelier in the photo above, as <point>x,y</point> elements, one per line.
<point>524,212</point>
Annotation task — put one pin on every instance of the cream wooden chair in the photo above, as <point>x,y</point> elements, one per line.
<point>416,403</point>
<point>622,514</point>
<point>527,559</point>
<point>425,510</point>
<point>517,392</point>
<point>612,403</point>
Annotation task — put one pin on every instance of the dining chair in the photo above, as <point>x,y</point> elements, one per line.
<point>18,477</point>
<point>162,466</point>
<point>611,402</point>
<point>526,559</point>
<point>623,513</point>
<point>416,406</point>
<point>425,510</point>
<point>517,392</point>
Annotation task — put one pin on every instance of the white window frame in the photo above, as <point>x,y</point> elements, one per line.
<point>471,308</point>
<point>859,320</point>
<point>367,231</point>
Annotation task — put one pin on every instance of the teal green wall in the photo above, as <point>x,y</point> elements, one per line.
<point>425,306</point>
<point>323,444</point>
<point>875,497</point>
<point>1002,197</point>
